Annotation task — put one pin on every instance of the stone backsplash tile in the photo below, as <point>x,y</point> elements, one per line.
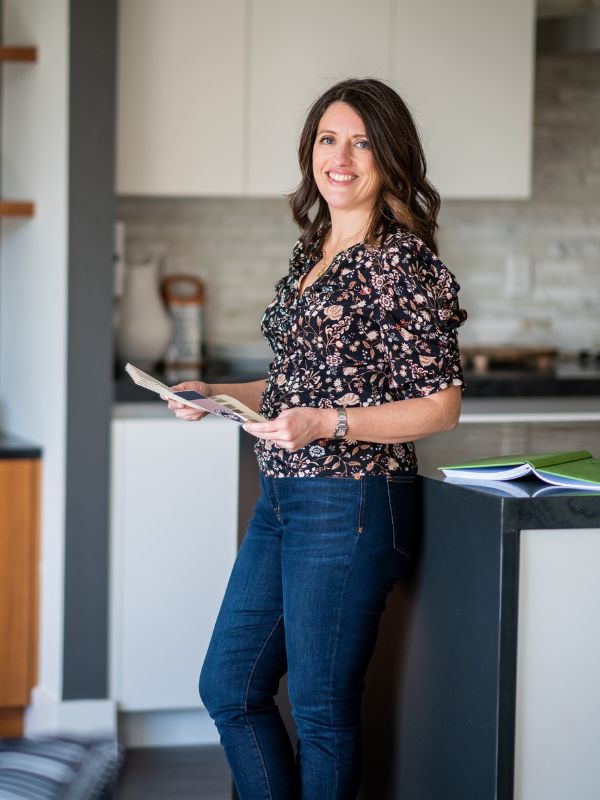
<point>529,269</point>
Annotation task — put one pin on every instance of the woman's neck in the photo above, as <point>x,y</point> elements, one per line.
<point>347,226</point>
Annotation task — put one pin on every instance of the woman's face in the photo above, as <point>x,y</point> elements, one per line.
<point>342,160</point>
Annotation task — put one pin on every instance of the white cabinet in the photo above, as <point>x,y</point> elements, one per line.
<point>297,52</point>
<point>212,95</point>
<point>466,70</point>
<point>174,523</point>
<point>180,97</point>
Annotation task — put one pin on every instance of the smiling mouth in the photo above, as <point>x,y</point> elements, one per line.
<point>339,177</point>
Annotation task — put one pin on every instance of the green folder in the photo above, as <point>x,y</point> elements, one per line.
<point>575,470</point>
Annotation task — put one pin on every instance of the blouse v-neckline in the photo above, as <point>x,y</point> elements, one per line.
<point>299,294</point>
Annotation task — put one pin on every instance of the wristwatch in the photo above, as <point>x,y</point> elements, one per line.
<point>341,428</point>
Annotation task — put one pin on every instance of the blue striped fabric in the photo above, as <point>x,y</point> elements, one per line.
<point>58,768</point>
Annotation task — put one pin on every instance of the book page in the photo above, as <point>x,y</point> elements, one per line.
<point>493,473</point>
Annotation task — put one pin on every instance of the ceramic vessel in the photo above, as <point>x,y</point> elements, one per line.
<point>144,326</point>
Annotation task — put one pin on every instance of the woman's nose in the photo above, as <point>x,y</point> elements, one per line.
<point>343,153</point>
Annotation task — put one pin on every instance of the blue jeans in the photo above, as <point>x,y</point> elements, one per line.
<point>305,596</point>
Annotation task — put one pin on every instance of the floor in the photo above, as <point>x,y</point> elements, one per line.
<point>175,773</point>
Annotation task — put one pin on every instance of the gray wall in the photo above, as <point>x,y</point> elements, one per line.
<point>91,216</point>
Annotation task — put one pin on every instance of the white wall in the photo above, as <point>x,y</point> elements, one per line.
<point>557,728</point>
<point>33,283</point>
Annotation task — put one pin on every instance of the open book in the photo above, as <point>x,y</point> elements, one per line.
<point>220,404</point>
<point>509,489</point>
<point>573,470</point>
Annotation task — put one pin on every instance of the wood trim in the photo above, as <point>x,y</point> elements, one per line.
<point>14,208</point>
<point>18,53</point>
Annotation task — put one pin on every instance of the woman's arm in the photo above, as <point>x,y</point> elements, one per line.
<point>405,420</point>
<point>390,423</point>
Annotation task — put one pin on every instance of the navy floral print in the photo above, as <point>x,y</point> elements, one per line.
<point>380,325</point>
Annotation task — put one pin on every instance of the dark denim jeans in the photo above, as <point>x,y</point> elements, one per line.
<point>305,596</point>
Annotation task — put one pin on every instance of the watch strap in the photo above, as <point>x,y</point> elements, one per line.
<point>341,427</point>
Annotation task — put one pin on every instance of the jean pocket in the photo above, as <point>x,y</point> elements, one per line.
<point>402,499</point>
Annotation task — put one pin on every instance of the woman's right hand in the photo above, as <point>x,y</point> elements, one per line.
<point>185,412</point>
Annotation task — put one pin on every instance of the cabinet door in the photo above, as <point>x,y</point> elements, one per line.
<point>297,52</point>
<point>180,97</point>
<point>465,69</point>
<point>174,540</point>
<point>18,589</point>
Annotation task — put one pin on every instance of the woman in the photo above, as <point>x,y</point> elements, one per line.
<point>363,330</point>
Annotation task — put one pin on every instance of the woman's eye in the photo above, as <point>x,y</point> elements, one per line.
<point>363,144</point>
<point>326,139</point>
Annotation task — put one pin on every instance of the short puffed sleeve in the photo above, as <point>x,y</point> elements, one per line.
<point>419,317</point>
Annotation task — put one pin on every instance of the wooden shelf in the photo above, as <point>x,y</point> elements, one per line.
<point>14,208</point>
<point>18,53</point>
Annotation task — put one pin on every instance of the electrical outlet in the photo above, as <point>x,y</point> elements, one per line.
<point>119,258</point>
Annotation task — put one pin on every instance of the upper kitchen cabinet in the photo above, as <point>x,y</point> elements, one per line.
<point>212,95</point>
<point>180,97</point>
<point>465,68</point>
<point>297,51</point>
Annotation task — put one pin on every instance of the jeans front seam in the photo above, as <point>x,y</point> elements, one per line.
<point>258,750</point>
<point>276,508</point>
<point>361,507</point>
<point>400,550</point>
<point>333,656</point>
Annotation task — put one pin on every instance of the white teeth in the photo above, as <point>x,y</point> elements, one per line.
<point>341,178</point>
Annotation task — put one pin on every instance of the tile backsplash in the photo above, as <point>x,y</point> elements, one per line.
<point>529,269</point>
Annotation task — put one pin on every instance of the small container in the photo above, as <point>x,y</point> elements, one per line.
<point>184,297</point>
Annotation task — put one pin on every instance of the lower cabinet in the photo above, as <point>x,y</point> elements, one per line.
<point>19,560</point>
<point>174,532</point>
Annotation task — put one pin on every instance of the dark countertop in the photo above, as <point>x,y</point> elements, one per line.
<point>530,384</point>
<point>568,379</point>
<point>15,447</point>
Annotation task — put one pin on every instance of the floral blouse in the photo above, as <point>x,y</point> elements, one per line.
<point>378,326</point>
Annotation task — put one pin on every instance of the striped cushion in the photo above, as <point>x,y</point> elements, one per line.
<point>42,768</point>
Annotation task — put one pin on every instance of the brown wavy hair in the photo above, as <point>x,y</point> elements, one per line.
<point>406,196</point>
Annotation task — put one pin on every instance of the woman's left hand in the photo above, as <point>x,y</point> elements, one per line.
<point>296,427</point>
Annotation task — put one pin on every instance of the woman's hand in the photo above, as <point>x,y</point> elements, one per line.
<point>296,427</point>
<point>185,412</point>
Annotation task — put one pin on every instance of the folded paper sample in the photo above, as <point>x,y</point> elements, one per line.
<point>221,404</point>
<point>573,470</point>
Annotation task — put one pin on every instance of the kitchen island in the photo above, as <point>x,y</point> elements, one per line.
<point>484,679</point>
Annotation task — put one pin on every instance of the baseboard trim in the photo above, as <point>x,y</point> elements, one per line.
<point>48,715</point>
<point>166,728</point>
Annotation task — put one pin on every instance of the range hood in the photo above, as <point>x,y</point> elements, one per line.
<point>578,32</point>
